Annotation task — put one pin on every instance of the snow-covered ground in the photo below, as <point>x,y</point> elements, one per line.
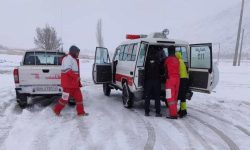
<point>220,120</point>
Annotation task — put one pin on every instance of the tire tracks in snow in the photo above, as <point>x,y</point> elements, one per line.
<point>5,105</point>
<point>242,129</point>
<point>199,137</point>
<point>5,125</point>
<point>194,133</point>
<point>84,129</point>
<point>141,125</point>
<point>4,132</point>
<point>224,137</point>
<point>187,129</point>
<point>151,132</point>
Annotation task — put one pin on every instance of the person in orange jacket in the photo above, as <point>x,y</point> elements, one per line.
<point>70,82</point>
<point>172,83</point>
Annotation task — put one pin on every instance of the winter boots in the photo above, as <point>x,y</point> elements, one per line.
<point>183,110</point>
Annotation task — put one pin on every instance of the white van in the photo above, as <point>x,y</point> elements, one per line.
<point>126,70</point>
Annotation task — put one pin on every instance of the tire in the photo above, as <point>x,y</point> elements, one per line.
<point>106,89</point>
<point>48,96</point>
<point>127,97</point>
<point>22,101</point>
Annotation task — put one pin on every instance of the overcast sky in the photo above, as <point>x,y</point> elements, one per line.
<point>75,20</point>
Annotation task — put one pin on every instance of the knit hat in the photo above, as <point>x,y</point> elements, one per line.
<point>171,50</point>
<point>73,50</point>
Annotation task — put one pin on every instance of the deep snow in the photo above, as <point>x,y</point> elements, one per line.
<point>220,120</point>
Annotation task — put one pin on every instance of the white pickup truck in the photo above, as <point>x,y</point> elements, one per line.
<point>38,75</point>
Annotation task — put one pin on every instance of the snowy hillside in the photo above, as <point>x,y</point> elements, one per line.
<point>217,121</point>
<point>222,28</point>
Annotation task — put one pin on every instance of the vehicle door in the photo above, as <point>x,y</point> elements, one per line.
<point>201,67</point>
<point>115,63</point>
<point>102,67</point>
<point>140,65</point>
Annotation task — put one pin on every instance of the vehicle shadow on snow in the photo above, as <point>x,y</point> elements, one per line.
<point>37,104</point>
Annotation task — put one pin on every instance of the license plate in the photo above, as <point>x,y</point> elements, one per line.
<point>46,88</point>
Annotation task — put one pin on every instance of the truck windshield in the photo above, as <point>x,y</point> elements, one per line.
<point>43,58</point>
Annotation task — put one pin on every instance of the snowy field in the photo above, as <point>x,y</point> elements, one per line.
<point>219,121</point>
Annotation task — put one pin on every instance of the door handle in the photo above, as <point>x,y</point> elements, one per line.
<point>45,70</point>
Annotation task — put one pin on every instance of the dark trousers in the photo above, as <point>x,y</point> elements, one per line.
<point>183,89</point>
<point>152,91</point>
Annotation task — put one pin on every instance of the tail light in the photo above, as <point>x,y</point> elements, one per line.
<point>16,76</point>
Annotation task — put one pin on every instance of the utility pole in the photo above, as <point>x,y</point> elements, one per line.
<point>242,38</point>
<point>238,36</point>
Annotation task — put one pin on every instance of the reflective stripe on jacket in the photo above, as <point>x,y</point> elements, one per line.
<point>70,72</point>
<point>183,68</point>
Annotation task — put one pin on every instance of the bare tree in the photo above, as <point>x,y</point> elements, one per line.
<point>46,38</point>
<point>99,35</point>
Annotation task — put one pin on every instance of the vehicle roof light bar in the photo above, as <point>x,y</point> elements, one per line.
<point>135,36</point>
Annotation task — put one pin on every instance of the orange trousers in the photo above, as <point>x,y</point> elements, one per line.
<point>70,92</point>
<point>172,90</point>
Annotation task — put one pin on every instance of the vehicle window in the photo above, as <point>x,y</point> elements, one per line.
<point>130,51</point>
<point>126,53</point>
<point>165,49</point>
<point>121,52</point>
<point>200,57</point>
<point>43,58</point>
<point>134,52</point>
<point>141,56</point>
<point>117,53</point>
<point>183,51</point>
<point>102,56</point>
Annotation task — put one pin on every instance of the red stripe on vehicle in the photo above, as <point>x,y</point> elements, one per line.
<point>119,77</point>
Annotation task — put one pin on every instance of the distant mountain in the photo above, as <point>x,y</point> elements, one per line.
<point>11,51</point>
<point>3,47</point>
<point>222,28</point>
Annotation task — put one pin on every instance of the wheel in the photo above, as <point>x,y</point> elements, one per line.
<point>106,89</point>
<point>127,97</point>
<point>22,100</point>
<point>48,96</point>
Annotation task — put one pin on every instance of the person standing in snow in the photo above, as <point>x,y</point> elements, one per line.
<point>152,80</point>
<point>172,83</point>
<point>70,82</point>
<point>183,86</point>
